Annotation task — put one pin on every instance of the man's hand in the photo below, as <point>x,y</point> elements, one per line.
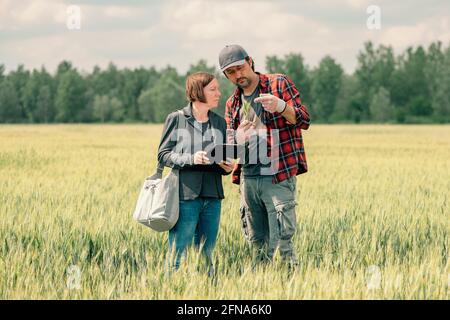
<point>244,131</point>
<point>271,103</point>
<point>227,165</point>
<point>201,158</point>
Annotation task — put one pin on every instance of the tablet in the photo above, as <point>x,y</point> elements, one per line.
<point>222,152</point>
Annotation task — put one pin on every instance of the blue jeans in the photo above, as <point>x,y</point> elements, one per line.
<point>199,223</point>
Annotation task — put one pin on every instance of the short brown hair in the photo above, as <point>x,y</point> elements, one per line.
<point>195,83</point>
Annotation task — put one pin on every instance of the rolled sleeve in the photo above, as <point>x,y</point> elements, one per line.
<point>291,96</point>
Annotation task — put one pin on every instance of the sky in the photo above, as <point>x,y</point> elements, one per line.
<point>181,32</point>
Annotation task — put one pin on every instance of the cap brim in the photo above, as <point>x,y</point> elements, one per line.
<point>236,63</point>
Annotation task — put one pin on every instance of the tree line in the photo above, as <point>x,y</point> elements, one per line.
<point>413,87</point>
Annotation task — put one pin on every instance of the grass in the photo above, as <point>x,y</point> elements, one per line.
<point>373,218</point>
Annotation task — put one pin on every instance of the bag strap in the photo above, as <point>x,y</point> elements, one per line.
<point>160,166</point>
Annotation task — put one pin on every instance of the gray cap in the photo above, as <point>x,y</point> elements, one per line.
<point>232,55</point>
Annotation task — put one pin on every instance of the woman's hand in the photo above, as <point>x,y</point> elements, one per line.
<point>201,158</point>
<point>227,166</point>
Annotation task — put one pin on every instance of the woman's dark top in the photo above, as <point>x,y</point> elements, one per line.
<point>177,149</point>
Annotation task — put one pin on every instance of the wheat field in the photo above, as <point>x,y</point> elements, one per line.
<point>373,218</point>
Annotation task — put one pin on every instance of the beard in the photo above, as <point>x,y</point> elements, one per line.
<point>244,84</point>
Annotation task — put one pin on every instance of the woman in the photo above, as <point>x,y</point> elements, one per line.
<point>186,137</point>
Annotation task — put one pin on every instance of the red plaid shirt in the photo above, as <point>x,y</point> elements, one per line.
<point>291,156</point>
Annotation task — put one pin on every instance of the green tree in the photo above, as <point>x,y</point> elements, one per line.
<point>201,66</point>
<point>375,69</point>
<point>30,93</point>
<point>434,64</point>
<point>441,93</point>
<point>347,108</point>
<point>167,95</point>
<point>133,83</point>
<point>107,109</point>
<point>437,73</point>
<point>63,67</point>
<point>36,81</point>
<point>325,88</point>
<point>98,81</point>
<point>19,79</point>
<point>117,109</point>
<point>410,89</point>
<point>275,64</point>
<point>416,84</point>
<point>10,110</point>
<point>145,102</point>
<point>45,111</point>
<point>293,66</point>
<point>2,70</point>
<point>381,107</point>
<point>70,97</point>
<point>299,73</point>
<point>101,109</point>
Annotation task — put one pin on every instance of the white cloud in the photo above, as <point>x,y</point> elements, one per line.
<point>358,4</point>
<point>35,31</point>
<point>263,29</point>
<point>27,13</point>
<point>120,12</point>
<point>84,49</point>
<point>209,20</point>
<point>31,14</point>
<point>436,28</point>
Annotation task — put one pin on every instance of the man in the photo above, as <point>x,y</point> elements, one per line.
<point>268,103</point>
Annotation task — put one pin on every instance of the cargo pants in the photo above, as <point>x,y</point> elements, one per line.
<point>268,216</point>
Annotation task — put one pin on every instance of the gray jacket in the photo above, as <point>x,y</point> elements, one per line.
<point>177,148</point>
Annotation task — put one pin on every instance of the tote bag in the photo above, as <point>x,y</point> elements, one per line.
<point>158,202</point>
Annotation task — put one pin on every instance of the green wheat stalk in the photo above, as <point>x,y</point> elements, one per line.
<point>246,108</point>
